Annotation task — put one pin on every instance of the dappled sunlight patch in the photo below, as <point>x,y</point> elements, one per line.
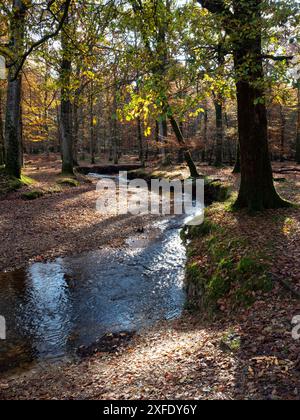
<point>289,226</point>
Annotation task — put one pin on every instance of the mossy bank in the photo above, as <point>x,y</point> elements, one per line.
<point>224,269</point>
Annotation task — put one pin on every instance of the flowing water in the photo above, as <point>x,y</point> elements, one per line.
<point>51,309</point>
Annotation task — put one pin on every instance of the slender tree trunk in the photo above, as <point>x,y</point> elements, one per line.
<point>164,135</point>
<point>66,108</point>
<point>82,133</point>
<point>298,126</point>
<point>76,121</point>
<point>46,112</point>
<point>115,142</point>
<point>218,102</point>
<point>140,141</point>
<point>205,137</point>
<point>13,122</point>
<point>92,128</point>
<point>282,133</point>
<point>75,130</point>
<point>219,133</point>
<point>157,139</point>
<point>2,153</point>
<point>187,155</point>
<point>180,156</point>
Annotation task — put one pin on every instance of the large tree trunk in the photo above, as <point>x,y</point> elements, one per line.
<point>237,166</point>
<point>257,191</point>
<point>298,127</point>
<point>66,109</point>
<point>13,122</point>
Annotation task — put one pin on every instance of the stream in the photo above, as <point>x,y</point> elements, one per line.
<point>52,309</point>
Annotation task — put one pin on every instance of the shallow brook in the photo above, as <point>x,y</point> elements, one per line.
<point>52,309</point>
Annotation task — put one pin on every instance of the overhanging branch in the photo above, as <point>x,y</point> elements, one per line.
<point>44,39</point>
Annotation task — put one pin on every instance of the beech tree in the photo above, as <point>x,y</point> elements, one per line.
<point>244,22</point>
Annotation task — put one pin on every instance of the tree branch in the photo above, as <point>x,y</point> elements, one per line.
<point>43,39</point>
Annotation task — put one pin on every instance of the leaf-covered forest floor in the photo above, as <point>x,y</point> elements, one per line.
<point>243,353</point>
<point>55,216</point>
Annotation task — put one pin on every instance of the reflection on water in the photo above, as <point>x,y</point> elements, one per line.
<point>52,309</point>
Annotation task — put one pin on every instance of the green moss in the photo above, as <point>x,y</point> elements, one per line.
<point>222,191</point>
<point>249,265</point>
<point>68,182</point>
<point>191,252</point>
<point>10,184</point>
<point>32,195</point>
<point>231,342</point>
<point>199,231</point>
<point>233,270</point>
<point>193,273</point>
<point>217,287</point>
<point>25,180</point>
<point>216,191</point>
<point>14,184</point>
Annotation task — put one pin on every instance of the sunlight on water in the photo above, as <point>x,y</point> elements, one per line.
<point>52,309</point>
